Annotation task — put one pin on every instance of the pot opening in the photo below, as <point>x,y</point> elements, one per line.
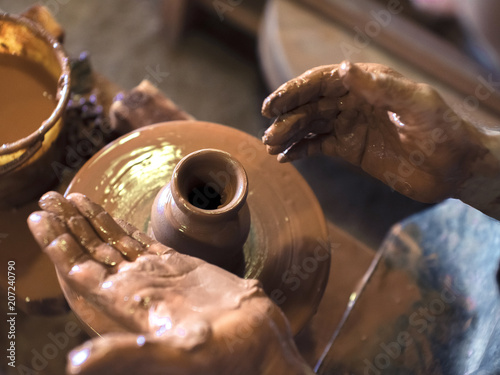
<point>211,180</point>
<point>205,197</point>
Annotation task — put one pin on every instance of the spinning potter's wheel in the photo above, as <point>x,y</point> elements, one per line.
<point>287,248</point>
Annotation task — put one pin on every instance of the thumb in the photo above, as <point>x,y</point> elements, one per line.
<point>132,353</point>
<point>121,353</point>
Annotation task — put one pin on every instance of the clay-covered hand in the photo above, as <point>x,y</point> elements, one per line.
<point>399,131</point>
<point>180,315</point>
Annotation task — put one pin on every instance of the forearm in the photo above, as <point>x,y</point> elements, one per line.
<point>481,189</point>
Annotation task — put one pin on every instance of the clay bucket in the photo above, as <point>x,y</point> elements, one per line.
<point>26,163</point>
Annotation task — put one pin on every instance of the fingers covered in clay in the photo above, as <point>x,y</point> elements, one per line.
<point>66,213</point>
<point>316,103</point>
<point>152,246</point>
<point>76,266</point>
<point>138,235</point>
<point>107,241</point>
<point>71,260</point>
<point>53,237</point>
<point>45,227</point>
<point>125,353</point>
<point>291,127</point>
<point>87,237</point>
<point>322,81</point>
<point>106,227</point>
<point>308,147</point>
<point>327,81</point>
<point>58,205</point>
<point>340,101</point>
<point>100,355</point>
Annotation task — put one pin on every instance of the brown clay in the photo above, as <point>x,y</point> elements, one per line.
<point>287,248</point>
<point>141,106</point>
<point>202,211</point>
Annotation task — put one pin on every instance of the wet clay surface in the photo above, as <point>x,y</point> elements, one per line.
<point>287,249</point>
<point>27,97</point>
<point>202,211</point>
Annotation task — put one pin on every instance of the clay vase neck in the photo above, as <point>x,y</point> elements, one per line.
<point>202,212</point>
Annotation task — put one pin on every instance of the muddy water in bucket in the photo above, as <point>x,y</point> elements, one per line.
<point>34,91</point>
<point>27,97</point>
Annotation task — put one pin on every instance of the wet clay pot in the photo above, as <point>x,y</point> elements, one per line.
<point>202,211</point>
<point>287,246</point>
<point>28,150</point>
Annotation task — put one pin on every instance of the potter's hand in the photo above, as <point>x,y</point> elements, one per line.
<point>180,314</point>
<point>399,131</point>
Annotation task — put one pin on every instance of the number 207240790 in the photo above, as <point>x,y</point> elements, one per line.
<point>11,290</point>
